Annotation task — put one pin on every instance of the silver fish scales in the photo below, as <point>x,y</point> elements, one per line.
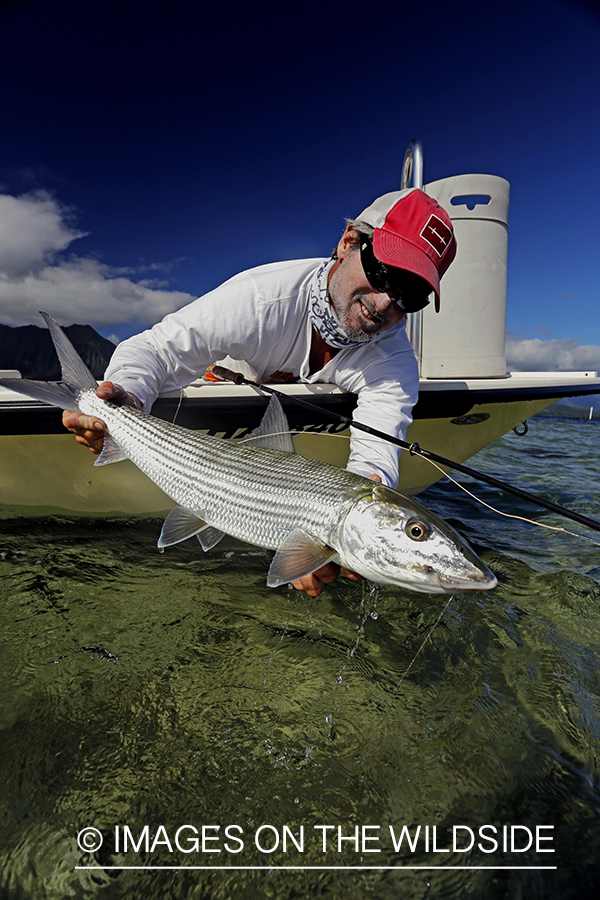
<point>257,495</point>
<point>262,492</point>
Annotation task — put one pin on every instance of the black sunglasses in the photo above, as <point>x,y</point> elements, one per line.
<point>413,292</point>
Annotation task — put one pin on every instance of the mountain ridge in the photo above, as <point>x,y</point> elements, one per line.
<point>29,349</point>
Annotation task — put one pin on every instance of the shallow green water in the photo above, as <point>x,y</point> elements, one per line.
<point>145,689</point>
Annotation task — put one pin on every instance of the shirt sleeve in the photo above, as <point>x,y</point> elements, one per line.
<point>387,384</point>
<point>176,351</point>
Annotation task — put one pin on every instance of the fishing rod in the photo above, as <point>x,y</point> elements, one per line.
<point>415,450</point>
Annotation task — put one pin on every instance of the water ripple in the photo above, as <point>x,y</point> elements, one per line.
<point>173,689</point>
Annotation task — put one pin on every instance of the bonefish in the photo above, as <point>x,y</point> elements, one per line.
<point>262,492</point>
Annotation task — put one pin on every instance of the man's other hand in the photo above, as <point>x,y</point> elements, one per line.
<point>313,583</point>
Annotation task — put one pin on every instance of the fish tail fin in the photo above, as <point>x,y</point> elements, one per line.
<point>76,376</point>
<point>75,373</point>
<point>47,392</point>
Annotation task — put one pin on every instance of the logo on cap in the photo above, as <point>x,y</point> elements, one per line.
<point>437,234</point>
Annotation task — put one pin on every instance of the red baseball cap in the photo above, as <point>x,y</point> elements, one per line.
<point>412,232</point>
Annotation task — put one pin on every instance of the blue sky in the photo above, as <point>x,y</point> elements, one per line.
<point>148,153</point>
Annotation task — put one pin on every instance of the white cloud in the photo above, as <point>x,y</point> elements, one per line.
<point>535,355</point>
<point>34,231</point>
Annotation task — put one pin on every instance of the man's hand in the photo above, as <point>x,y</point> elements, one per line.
<point>313,583</point>
<point>89,430</point>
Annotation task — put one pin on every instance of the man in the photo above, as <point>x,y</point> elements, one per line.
<point>339,320</point>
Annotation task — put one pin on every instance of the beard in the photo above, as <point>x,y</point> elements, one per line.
<point>356,326</point>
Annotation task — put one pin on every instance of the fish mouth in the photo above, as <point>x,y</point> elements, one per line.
<point>484,581</point>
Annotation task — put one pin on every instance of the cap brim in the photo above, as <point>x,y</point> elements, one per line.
<point>396,251</point>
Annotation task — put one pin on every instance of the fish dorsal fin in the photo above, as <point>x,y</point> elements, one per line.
<point>273,431</point>
<point>75,373</point>
<point>299,555</point>
<point>180,524</point>
<point>111,452</point>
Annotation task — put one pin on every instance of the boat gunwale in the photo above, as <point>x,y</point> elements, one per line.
<point>231,408</point>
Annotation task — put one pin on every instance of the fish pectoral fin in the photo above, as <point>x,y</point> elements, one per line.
<point>273,431</point>
<point>180,524</point>
<point>111,452</point>
<point>209,537</point>
<point>299,555</point>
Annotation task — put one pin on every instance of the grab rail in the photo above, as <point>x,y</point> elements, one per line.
<point>412,176</point>
<point>412,166</point>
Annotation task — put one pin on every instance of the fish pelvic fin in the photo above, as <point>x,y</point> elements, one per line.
<point>182,523</point>
<point>299,555</point>
<point>209,537</point>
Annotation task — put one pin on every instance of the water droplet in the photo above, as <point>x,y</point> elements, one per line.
<point>374,614</point>
<point>89,483</point>
<point>329,719</point>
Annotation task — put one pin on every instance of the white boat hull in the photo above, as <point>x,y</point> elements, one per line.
<point>52,470</point>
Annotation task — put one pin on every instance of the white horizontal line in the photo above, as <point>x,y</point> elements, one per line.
<point>320,868</point>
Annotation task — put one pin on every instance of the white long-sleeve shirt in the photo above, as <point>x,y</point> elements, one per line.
<point>258,323</point>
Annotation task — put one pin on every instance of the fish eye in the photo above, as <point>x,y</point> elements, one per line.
<point>417,530</point>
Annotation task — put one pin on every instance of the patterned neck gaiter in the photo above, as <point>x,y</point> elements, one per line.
<point>322,313</point>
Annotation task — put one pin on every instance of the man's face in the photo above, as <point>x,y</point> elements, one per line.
<point>361,309</point>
